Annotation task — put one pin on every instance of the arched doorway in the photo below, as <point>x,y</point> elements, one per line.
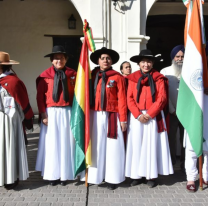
<point>165,26</point>
<point>29,29</point>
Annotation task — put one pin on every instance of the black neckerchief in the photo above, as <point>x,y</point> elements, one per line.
<point>60,75</point>
<point>102,85</point>
<point>151,84</point>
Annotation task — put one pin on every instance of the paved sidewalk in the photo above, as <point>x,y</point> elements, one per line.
<point>170,190</point>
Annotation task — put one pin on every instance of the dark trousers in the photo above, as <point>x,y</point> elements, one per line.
<point>174,125</point>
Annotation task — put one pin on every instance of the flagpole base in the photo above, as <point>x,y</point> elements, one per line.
<point>201,188</point>
<point>86,177</point>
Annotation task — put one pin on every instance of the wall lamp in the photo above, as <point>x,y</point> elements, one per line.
<point>72,22</point>
<point>114,2</point>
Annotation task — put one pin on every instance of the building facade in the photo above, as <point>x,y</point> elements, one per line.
<point>30,28</point>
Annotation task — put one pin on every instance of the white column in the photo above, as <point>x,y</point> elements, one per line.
<point>122,28</point>
<point>95,12</point>
<point>136,27</point>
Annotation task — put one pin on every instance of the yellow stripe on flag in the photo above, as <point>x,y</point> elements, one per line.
<point>79,87</point>
<point>88,160</point>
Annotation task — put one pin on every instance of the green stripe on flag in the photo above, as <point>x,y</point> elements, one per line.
<point>77,122</point>
<point>190,115</point>
<point>91,41</point>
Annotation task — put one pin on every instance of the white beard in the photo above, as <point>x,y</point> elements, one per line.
<point>177,68</point>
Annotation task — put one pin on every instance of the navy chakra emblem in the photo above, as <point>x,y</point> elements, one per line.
<point>196,80</point>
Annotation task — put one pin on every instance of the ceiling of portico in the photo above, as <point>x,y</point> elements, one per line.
<point>165,27</point>
<point>164,7</point>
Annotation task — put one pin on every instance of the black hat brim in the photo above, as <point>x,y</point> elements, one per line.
<point>138,58</point>
<point>51,54</point>
<point>96,55</point>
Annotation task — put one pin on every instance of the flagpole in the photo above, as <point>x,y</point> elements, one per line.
<point>89,42</point>
<point>86,177</point>
<point>194,24</point>
<point>80,121</point>
<point>200,173</point>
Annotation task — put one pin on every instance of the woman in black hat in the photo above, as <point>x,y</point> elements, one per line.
<point>55,91</point>
<point>108,120</point>
<point>147,152</point>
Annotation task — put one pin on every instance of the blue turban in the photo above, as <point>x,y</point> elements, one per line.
<point>175,50</point>
<point>207,48</point>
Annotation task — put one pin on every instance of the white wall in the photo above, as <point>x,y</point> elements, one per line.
<point>24,23</point>
<point>23,26</point>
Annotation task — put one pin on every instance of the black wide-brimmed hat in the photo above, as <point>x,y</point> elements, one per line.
<point>57,50</point>
<point>146,53</point>
<point>96,55</point>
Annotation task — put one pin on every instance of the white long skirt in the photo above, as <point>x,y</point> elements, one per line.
<point>147,153</point>
<point>56,148</point>
<point>13,158</point>
<point>108,155</point>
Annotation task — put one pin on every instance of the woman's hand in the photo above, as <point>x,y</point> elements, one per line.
<point>147,117</point>
<point>144,118</point>
<point>44,117</point>
<point>123,126</point>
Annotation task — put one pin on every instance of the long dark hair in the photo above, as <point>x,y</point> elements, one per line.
<point>6,68</point>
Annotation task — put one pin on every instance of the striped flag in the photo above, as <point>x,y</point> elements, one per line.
<point>194,76</point>
<point>80,118</point>
<point>89,37</point>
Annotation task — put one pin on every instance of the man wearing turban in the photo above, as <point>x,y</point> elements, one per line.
<point>173,73</point>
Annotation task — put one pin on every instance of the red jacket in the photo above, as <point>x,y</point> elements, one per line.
<point>18,91</point>
<point>45,89</point>
<point>115,95</point>
<point>145,97</point>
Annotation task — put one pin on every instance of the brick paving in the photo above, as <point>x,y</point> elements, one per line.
<point>170,190</point>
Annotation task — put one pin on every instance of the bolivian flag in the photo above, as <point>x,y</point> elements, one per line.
<point>80,118</point>
<point>194,77</point>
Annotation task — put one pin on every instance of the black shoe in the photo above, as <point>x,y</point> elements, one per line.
<point>151,183</point>
<point>63,183</point>
<point>136,182</point>
<point>111,186</point>
<point>11,186</point>
<point>52,182</point>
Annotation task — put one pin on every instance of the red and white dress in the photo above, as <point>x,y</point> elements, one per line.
<point>108,154</point>
<point>56,148</point>
<point>15,114</point>
<point>147,153</point>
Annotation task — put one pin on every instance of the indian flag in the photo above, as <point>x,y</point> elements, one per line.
<point>194,76</point>
<point>80,118</point>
